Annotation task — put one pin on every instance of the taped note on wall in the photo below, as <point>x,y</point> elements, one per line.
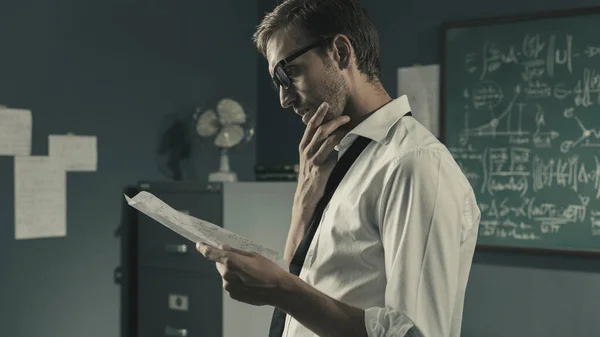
<point>40,198</point>
<point>421,85</point>
<point>15,132</point>
<point>77,153</point>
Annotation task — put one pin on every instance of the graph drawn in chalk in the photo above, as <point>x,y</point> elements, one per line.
<point>491,128</point>
<point>588,138</point>
<point>542,139</point>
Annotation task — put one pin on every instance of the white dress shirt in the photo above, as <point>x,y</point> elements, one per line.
<point>398,235</point>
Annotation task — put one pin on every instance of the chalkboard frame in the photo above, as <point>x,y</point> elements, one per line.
<point>506,19</point>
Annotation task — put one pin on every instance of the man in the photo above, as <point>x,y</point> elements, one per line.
<point>392,253</point>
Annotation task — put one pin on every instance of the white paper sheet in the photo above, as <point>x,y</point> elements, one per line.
<point>197,230</point>
<point>421,85</point>
<point>40,198</point>
<point>15,132</point>
<point>78,153</point>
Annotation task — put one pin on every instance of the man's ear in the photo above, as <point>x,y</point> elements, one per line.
<point>342,51</point>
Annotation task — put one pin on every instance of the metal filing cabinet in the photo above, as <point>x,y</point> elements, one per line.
<point>167,287</point>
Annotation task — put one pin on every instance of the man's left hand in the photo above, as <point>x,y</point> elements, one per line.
<point>247,277</point>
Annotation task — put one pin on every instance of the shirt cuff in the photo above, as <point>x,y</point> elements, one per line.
<point>385,322</point>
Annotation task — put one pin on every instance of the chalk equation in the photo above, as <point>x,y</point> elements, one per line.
<point>523,124</point>
<point>570,172</point>
<point>530,218</point>
<point>595,218</point>
<point>536,54</point>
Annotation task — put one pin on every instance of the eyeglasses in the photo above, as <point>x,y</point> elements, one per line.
<point>280,76</point>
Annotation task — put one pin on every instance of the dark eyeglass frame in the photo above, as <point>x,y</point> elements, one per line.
<point>280,75</point>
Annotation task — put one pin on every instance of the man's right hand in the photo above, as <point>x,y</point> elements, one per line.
<point>316,164</point>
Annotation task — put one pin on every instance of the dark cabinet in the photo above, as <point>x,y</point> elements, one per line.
<point>167,287</point>
<point>179,304</point>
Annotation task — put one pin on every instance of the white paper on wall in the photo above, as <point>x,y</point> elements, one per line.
<point>421,85</point>
<point>40,198</point>
<point>77,153</point>
<point>15,132</point>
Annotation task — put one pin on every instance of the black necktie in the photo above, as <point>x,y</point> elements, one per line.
<point>338,172</point>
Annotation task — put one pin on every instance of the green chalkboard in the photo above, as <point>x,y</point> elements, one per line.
<point>520,103</point>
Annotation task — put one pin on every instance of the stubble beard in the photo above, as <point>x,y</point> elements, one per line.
<point>334,91</point>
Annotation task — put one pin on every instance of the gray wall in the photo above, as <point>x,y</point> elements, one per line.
<point>509,294</point>
<point>115,68</point>
<point>112,69</point>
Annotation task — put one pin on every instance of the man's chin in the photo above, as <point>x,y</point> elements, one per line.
<point>310,114</point>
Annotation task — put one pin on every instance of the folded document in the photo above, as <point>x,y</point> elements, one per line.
<point>197,230</point>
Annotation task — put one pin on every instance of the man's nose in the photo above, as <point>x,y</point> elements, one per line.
<point>286,97</point>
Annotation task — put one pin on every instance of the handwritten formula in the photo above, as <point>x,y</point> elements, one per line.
<point>523,122</point>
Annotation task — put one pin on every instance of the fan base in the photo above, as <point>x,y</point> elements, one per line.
<point>222,177</point>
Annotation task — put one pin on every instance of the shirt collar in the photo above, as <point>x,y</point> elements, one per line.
<point>378,125</point>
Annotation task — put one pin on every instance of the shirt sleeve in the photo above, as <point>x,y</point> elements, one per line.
<point>420,217</point>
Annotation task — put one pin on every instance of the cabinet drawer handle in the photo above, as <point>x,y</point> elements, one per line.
<point>170,331</point>
<point>176,249</point>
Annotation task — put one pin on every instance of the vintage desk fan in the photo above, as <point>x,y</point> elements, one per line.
<point>229,127</point>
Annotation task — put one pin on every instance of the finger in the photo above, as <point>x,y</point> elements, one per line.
<point>226,273</point>
<point>228,248</point>
<point>235,288</point>
<point>328,128</point>
<point>212,253</point>
<point>324,132</point>
<point>319,115</point>
<point>221,268</point>
<point>312,124</point>
<point>327,148</point>
<point>201,247</point>
<point>201,244</point>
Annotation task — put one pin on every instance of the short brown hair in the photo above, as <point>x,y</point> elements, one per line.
<point>322,19</point>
